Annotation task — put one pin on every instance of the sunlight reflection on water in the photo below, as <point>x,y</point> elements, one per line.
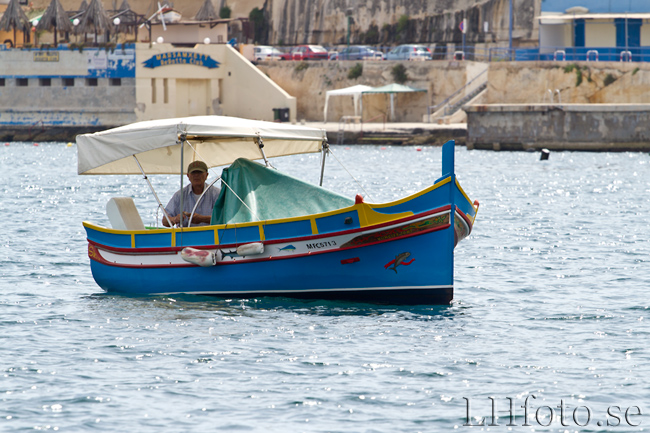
<point>551,300</point>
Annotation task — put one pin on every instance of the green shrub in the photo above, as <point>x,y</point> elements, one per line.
<point>224,12</point>
<point>574,67</point>
<point>260,26</point>
<point>399,73</point>
<point>402,23</point>
<point>371,36</point>
<point>301,66</point>
<point>355,71</point>
<point>570,68</point>
<point>609,79</point>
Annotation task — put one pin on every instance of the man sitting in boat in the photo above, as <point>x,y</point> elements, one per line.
<point>197,173</point>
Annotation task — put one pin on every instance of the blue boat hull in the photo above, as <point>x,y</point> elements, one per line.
<point>363,273</point>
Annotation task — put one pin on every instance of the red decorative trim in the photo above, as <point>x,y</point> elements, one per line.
<point>399,231</point>
<point>466,218</point>
<point>349,261</point>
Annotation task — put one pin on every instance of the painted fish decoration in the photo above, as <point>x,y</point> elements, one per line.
<point>399,260</point>
<point>289,248</point>
<point>231,254</point>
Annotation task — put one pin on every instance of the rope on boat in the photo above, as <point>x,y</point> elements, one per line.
<point>353,178</point>
<point>224,183</point>
<point>242,201</point>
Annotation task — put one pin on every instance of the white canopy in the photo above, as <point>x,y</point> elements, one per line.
<point>355,91</point>
<point>392,89</point>
<point>217,140</point>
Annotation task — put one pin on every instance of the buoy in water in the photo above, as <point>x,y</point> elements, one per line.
<point>69,144</point>
<point>6,144</point>
<point>544,155</point>
<point>35,144</point>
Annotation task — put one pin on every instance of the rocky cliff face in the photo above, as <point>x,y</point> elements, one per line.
<point>568,83</point>
<point>310,81</point>
<point>376,22</point>
<point>388,22</point>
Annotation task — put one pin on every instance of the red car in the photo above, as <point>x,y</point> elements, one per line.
<point>309,52</point>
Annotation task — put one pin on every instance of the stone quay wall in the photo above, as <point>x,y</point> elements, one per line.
<point>563,106</point>
<point>588,127</point>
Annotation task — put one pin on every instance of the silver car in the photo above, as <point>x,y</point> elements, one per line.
<point>357,52</point>
<point>409,52</point>
<point>264,52</point>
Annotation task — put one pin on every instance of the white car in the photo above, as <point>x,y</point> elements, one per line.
<point>409,52</point>
<point>265,52</point>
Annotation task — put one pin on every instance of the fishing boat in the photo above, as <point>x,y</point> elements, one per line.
<point>270,234</point>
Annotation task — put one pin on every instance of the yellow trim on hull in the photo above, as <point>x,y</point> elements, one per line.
<point>365,212</point>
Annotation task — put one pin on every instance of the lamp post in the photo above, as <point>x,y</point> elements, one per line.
<point>510,33</point>
<point>348,13</point>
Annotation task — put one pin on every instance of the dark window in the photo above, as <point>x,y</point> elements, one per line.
<point>22,82</point>
<point>116,81</point>
<point>2,82</point>
<point>45,82</point>
<point>68,82</point>
<point>91,82</point>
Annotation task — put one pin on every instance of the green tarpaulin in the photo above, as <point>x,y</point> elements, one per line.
<point>270,195</point>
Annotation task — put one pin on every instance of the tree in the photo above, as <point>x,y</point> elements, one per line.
<point>260,26</point>
<point>224,12</point>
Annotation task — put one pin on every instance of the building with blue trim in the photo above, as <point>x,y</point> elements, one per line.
<point>53,94</point>
<point>607,30</point>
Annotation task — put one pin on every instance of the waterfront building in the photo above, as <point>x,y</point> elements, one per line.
<point>595,30</point>
<point>55,91</point>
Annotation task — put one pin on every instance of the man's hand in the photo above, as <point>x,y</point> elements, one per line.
<point>196,219</point>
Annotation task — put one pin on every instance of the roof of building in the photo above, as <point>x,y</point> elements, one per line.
<point>598,6</point>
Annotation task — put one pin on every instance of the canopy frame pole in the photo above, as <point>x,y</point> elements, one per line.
<point>331,152</point>
<point>201,197</point>
<point>181,138</point>
<point>160,205</point>
<point>240,199</point>
<point>260,145</point>
<point>326,148</point>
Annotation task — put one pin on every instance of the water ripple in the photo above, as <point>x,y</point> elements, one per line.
<point>551,301</point>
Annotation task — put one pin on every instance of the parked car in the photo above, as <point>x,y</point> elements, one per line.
<point>309,52</point>
<point>409,52</point>
<point>264,52</point>
<point>357,52</point>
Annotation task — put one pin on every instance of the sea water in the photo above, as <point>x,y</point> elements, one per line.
<point>549,329</point>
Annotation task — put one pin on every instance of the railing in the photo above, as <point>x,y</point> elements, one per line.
<point>381,116</point>
<point>543,53</point>
<point>433,109</point>
<point>550,92</point>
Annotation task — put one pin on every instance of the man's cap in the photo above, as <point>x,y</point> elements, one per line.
<point>197,166</point>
